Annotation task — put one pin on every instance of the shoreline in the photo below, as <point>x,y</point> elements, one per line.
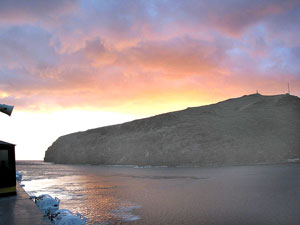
<point>296,161</point>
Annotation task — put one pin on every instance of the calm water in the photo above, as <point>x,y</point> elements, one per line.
<point>254,195</point>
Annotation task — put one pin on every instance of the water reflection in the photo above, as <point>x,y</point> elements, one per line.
<point>81,189</point>
<point>93,197</point>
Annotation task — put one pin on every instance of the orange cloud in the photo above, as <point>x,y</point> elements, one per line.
<point>178,56</point>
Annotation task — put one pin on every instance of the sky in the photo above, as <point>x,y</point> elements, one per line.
<point>71,65</point>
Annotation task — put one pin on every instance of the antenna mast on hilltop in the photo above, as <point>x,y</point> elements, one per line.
<point>288,88</point>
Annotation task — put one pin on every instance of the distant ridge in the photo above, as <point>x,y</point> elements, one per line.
<point>245,130</point>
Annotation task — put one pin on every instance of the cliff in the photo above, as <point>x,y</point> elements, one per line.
<point>249,129</point>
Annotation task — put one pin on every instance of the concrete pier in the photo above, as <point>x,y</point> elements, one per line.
<point>20,210</point>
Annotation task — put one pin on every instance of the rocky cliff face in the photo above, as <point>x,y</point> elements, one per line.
<point>250,129</point>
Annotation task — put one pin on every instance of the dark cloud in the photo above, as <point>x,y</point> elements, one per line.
<point>285,28</point>
<point>231,16</point>
<point>32,11</point>
<point>93,52</point>
<point>26,46</point>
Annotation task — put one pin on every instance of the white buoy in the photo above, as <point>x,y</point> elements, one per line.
<point>18,177</point>
<point>66,217</point>
<point>47,204</point>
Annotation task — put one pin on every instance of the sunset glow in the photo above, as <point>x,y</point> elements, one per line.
<point>69,65</point>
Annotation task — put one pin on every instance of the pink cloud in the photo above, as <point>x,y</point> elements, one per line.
<point>111,54</point>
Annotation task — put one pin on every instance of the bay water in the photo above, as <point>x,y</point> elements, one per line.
<point>254,195</point>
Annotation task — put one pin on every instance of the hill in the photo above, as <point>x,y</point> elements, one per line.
<point>250,129</point>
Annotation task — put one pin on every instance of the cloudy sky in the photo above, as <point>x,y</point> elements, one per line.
<point>71,65</point>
